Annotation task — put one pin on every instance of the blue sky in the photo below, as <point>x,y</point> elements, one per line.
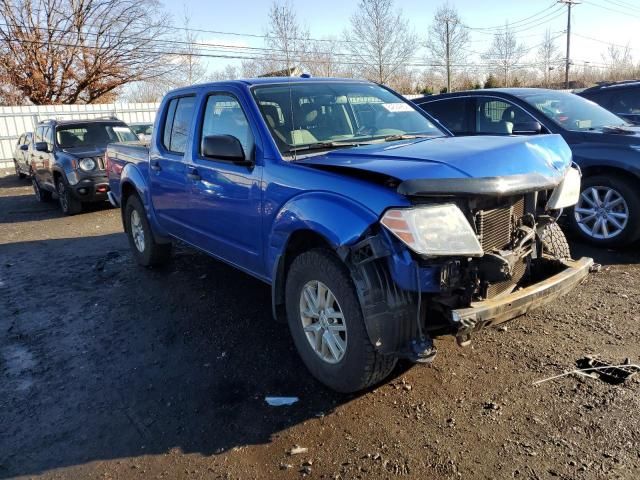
<point>614,21</point>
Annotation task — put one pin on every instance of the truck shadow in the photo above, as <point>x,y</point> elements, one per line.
<point>107,360</point>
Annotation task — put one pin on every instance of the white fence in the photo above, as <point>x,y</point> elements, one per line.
<point>14,121</point>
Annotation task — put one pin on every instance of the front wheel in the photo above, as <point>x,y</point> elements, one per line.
<point>42,196</point>
<point>327,326</point>
<point>608,211</point>
<point>69,204</point>
<point>146,250</point>
<point>18,171</point>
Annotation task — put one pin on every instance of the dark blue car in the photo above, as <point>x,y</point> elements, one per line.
<point>376,229</point>
<point>606,148</point>
<point>621,98</point>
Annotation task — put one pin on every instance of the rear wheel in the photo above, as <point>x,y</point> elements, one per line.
<point>69,204</point>
<point>608,211</point>
<point>41,195</point>
<point>146,250</point>
<point>326,323</point>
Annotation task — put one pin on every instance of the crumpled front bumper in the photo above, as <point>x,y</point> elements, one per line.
<point>498,310</point>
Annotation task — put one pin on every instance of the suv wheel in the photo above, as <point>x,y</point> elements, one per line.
<point>145,249</point>
<point>18,171</point>
<point>68,203</point>
<point>41,195</point>
<point>327,326</point>
<point>608,211</point>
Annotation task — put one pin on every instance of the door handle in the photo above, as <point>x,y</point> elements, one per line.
<point>194,175</point>
<point>156,166</point>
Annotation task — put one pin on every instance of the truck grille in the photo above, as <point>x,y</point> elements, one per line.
<point>495,227</point>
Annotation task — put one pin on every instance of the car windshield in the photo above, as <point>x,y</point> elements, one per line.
<point>93,134</point>
<point>142,129</point>
<point>573,112</point>
<point>305,116</point>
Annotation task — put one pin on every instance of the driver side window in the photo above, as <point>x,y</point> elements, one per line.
<point>497,117</point>
<point>224,116</point>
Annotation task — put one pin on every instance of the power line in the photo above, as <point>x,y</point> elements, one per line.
<point>499,27</point>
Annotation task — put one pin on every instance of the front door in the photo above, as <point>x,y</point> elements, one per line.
<point>167,164</point>
<point>226,197</point>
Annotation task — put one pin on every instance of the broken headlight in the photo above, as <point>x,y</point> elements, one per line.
<point>567,192</point>
<point>434,230</point>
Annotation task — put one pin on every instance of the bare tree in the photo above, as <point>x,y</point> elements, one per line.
<point>192,69</point>
<point>505,53</point>
<point>287,39</point>
<point>548,57</point>
<point>380,39</point>
<point>619,62</point>
<point>70,51</point>
<point>447,40</point>
<point>323,58</point>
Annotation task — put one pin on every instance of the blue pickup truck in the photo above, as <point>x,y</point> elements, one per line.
<point>376,230</point>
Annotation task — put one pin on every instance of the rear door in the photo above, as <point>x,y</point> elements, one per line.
<point>455,113</point>
<point>226,211</point>
<point>167,164</point>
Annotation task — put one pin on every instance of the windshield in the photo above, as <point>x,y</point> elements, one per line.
<point>340,114</point>
<point>93,134</point>
<point>573,112</point>
<point>142,128</point>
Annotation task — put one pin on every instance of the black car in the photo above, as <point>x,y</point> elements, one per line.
<point>621,98</point>
<point>67,158</point>
<point>606,148</point>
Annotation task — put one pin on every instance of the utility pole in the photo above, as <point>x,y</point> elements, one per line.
<point>569,4</point>
<point>448,58</point>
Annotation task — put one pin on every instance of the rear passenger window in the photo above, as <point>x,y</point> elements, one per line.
<point>224,116</point>
<point>453,114</point>
<point>177,123</point>
<point>625,102</point>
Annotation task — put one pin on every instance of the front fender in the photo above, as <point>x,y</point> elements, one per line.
<point>132,177</point>
<point>339,220</point>
<point>623,158</point>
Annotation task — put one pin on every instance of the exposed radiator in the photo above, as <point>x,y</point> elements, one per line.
<point>495,227</point>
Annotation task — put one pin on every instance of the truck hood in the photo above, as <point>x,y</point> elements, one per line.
<point>542,158</point>
<point>87,151</point>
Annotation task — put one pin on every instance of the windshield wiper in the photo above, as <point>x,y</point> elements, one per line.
<point>323,146</point>
<point>405,136</point>
<point>624,129</point>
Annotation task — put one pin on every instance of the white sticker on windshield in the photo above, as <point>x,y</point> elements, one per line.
<point>121,129</point>
<point>397,107</point>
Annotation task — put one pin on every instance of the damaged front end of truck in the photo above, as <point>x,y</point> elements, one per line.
<point>469,252</point>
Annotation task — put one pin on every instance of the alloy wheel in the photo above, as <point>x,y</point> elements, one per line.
<point>62,196</point>
<point>137,231</point>
<point>601,212</point>
<point>323,322</point>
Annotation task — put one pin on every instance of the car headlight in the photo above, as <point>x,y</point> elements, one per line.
<point>434,230</point>
<point>87,164</point>
<point>567,192</point>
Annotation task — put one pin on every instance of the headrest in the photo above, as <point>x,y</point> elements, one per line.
<point>508,115</point>
<point>309,113</point>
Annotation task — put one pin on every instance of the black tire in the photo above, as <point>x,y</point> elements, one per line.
<point>18,171</point>
<point>554,242</point>
<point>69,204</point>
<point>628,190</point>
<point>361,366</point>
<point>152,253</point>
<point>43,196</point>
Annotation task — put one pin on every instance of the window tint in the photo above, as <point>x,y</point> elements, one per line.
<point>177,123</point>
<point>497,117</point>
<point>224,116</point>
<point>452,113</point>
<point>92,134</point>
<point>625,101</point>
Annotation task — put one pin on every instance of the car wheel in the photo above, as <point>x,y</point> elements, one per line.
<point>327,326</point>
<point>41,195</point>
<point>608,211</point>
<point>554,242</point>
<point>18,171</point>
<point>68,203</point>
<point>146,250</point>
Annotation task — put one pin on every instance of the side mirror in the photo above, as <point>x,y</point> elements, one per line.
<point>527,128</point>
<point>41,147</point>
<point>24,148</point>
<point>224,147</point>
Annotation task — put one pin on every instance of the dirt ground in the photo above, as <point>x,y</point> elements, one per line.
<point>108,370</point>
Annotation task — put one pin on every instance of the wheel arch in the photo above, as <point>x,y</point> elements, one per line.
<point>592,170</point>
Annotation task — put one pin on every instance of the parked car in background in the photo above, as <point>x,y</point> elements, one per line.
<point>142,130</point>
<point>606,148</point>
<point>621,98</point>
<point>21,155</point>
<point>67,158</point>
<point>376,229</point>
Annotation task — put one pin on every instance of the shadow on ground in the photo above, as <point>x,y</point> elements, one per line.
<point>102,359</point>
